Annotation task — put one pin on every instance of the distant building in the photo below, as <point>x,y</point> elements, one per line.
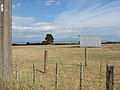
<point>90,41</point>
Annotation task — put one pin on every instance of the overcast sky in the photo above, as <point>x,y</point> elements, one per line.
<point>65,19</point>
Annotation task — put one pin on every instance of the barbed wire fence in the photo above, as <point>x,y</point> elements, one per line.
<point>67,76</point>
<point>63,76</point>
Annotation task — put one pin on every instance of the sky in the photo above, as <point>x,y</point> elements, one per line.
<point>65,19</point>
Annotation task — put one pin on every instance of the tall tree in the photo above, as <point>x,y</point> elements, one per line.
<point>49,38</point>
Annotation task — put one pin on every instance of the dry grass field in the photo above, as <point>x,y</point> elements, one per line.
<point>68,58</point>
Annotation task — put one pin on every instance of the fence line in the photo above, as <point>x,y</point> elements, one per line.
<point>97,79</point>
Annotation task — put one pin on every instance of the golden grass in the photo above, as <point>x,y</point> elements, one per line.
<point>68,57</point>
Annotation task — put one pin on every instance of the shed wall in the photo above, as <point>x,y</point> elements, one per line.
<point>90,41</point>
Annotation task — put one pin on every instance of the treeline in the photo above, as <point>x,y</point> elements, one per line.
<point>109,42</point>
<point>43,43</point>
<point>28,43</point>
<point>58,43</point>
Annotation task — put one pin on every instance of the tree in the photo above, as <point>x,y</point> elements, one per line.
<point>28,43</point>
<point>49,39</point>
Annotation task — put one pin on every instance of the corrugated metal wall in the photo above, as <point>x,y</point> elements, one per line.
<point>90,41</point>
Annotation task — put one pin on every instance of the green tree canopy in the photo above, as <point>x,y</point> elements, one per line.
<point>49,38</point>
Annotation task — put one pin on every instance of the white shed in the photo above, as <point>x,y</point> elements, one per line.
<point>87,41</point>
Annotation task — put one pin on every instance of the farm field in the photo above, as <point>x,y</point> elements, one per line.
<point>68,58</point>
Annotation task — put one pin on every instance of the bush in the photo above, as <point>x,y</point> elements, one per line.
<point>44,43</point>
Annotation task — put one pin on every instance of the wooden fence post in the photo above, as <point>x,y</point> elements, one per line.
<point>16,77</point>
<point>81,75</point>
<point>45,61</point>
<point>16,70</point>
<point>56,78</point>
<point>34,72</point>
<point>109,77</point>
<point>100,72</point>
<point>85,56</point>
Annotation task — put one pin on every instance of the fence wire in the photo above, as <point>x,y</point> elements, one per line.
<point>69,59</point>
<point>94,77</point>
